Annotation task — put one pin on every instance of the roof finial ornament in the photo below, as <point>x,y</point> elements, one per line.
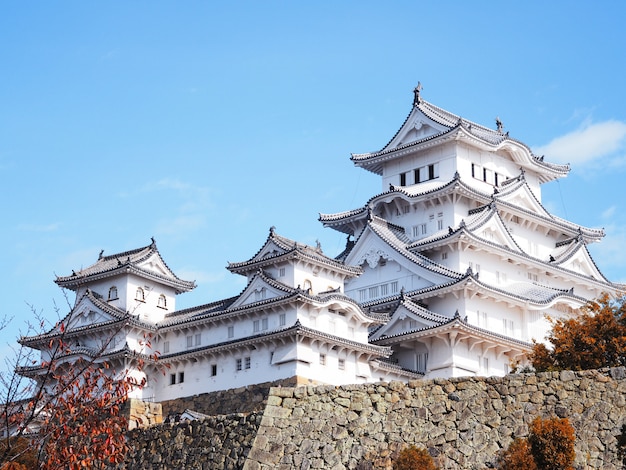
<point>101,253</point>
<point>416,94</point>
<point>153,241</point>
<point>272,230</point>
<point>499,124</point>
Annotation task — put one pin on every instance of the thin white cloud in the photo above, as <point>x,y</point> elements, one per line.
<point>39,228</point>
<point>589,143</point>
<point>181,224</point>
<point>609,212</point>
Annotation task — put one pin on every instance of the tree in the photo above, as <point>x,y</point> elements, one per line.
<point>70,415</point>
<point>552,443</point>
<point>517,457</point>
<point>550,446</point>
<point>595,339</point>
<point>414,458</point>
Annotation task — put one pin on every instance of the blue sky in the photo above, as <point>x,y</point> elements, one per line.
<point>202,124</point>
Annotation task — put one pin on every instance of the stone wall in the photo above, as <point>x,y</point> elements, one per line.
<point>462,422</point>
<point>238,400</point>
<point>216,442</point>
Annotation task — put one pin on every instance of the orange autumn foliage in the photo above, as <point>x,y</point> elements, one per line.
<point>550,446</point>
<point>552,443</point>
<point>517,457</point>
<point>413,458</point>
<point>595,339</point>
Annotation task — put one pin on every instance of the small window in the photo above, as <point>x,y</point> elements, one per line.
<point>140,295</point>
<point>255,326</point>
<point>341,364</point>
<point>406,208</point>
<point>197,339</point>
<point>424,229</point>
<point>308,286</point>
<point>431,172</point>
<point>231,331</point>
<point>162,302</point>
<point>362,295</point>
<point>416,175</point>
<point>444,255</point>
<point>281,272</point>
<point>384,289</point>
<point>181,377</point>
<point>239,364</point>
<point>394,287</point>
<point>264,324</point>
<point>440,224</point>
<point>166,347</point>
<point>172,379</point>
<point>247,362</point>
<point>323,359</point>
<point>487,175</point>
<point>282,319</point>
<point>113,293</point>
<point>402,179</point>
<point>189,341</point>
<point>213,370</point>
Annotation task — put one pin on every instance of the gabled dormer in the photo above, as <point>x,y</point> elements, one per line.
<point>408,316</point>
<point>136,281</point>
<point>296,265</point>
<point>261,288</point>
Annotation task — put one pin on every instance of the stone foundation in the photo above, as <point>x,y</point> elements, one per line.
<point>462,422</point>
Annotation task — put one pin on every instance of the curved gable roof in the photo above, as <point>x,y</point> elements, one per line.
<point>427,123</point>
<point>145,262</point>
<point>280,249</point>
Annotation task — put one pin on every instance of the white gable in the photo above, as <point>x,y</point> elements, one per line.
<point>257,290</point>
<point>371,251</point>
<point>404,320</point>
<point>580,262</point>
<point>417,127</point>
<point>155,265</point>
<point>522,197</point>
<point>493,230</point>
<point>86,313</point>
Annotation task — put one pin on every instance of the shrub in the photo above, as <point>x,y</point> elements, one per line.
<point>412,458</point>
<point>550,446</point>
<point>552,443</point>
<point>517,457</point>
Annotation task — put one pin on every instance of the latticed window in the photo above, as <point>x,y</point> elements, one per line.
<point>140,294</point>
<point>113,293</point>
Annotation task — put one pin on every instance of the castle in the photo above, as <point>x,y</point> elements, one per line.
<point>449,271</point>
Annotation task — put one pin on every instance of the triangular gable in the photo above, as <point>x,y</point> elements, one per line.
<point>371,250</point>
<point>86,312</point>
<point>488,225</point>
<point>155,264</point>
<point>520,195</point>
<point>257,290</point>
<point>579,260</point>
<point>417,127</point>
<point>408,316</point>
<point>269,250</point>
